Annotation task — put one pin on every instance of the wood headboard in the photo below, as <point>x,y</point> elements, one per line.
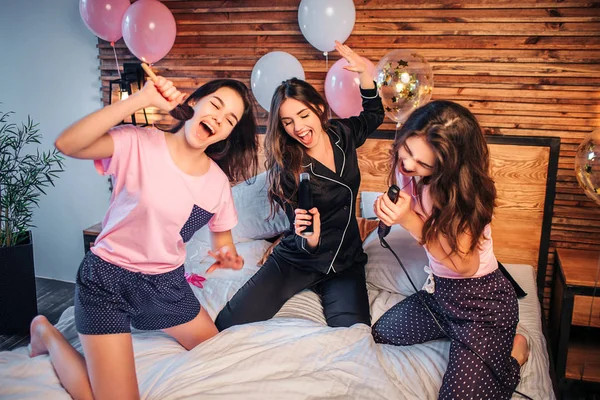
<point>524,170</point>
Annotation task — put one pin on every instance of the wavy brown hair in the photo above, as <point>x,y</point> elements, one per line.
<point>284,155</point>
<point>237,155</point>
<point>462,191</point>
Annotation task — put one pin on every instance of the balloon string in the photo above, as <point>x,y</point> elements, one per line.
<point>116,61</point>
<point>326,54</point>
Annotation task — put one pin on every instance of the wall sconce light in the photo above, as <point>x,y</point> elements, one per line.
<point>131,78</point>
<point>124,90</point>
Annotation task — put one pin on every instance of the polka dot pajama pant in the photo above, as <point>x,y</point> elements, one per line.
<point>482,312</point>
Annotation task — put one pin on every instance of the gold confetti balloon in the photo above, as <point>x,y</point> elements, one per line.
<point>587,165</point>
<point>405,82</point>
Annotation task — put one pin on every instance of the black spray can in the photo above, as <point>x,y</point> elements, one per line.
<point>393,193</point>
<point>305,200</point>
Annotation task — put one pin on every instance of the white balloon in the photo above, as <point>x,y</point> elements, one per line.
<point>324,21</point>
<point>268,73</point>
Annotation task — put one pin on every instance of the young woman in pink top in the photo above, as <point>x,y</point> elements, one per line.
<point>167,186</point>
<point>440,161</point>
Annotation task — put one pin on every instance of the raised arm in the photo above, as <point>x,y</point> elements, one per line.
<point>367,122</point>
<point>88,138</point>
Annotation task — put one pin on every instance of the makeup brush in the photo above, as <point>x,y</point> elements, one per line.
<point>182,112</point>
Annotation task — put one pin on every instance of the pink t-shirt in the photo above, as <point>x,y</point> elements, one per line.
<point>155,207</point>
<point>487,260</point>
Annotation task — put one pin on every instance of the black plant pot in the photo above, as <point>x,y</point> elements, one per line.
<point>18,299</point>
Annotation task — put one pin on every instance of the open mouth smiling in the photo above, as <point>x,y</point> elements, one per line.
<point>207,128</point>
<point>305,136</point>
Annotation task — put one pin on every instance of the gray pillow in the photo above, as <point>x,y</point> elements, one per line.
<point>383,270</point>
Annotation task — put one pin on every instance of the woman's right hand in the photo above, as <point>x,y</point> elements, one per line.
<point>161,93</point>
<point>305,218</point>
<point>391,213</point>
<point>88,138</point>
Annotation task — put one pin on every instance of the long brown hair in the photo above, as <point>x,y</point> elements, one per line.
<point>237,155</point>
<point>462,191</point>
<point>284,155</point>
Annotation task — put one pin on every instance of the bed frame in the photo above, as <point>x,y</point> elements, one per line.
<point>524,169</point>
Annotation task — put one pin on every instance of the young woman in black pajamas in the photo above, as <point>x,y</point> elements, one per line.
<point>331,261</point>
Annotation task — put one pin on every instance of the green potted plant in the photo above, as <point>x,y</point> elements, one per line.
<point>24,173</point>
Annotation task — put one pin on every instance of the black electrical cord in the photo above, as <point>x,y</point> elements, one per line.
<point>387,246</point>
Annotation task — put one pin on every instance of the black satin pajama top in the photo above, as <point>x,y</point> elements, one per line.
<point>334,195</point>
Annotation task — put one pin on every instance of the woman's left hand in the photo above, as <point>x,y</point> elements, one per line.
<point>391,213</point>
<point>226,258</point>
<point>356,63</point>
<point>308,217</point>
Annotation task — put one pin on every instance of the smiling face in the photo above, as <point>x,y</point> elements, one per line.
<point>215,116</point>
<point>301,123</point>
<point>416,157</point>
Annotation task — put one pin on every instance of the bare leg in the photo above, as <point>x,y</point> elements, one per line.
<point>192,333</point>
<point>68,363</point>
<point>111,366</point>
<point>520,350</point>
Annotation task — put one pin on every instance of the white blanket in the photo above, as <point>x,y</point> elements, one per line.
<point>293,356</point>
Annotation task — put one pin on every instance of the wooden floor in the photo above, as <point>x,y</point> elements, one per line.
<point>53,298</point>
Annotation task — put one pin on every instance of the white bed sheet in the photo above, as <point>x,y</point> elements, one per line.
<point>292,356</point>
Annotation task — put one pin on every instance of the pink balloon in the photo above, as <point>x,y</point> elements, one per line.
<point>149,30</point>
<point>342,88</point>
<point>103,17</point>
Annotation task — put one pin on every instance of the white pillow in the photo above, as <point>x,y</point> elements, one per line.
<point>367,199</point>
<point>383,270</point>
<point>252,206</point>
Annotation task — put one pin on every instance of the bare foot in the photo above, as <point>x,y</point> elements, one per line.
<point>520,350</point>
<point>40,329</point>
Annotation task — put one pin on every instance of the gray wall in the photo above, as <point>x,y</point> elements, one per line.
<point>49,70</point>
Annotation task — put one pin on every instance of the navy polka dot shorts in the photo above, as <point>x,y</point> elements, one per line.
<point>482,312</point>
<point>109,299</point>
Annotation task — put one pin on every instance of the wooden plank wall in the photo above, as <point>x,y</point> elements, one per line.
<point>524,67</point>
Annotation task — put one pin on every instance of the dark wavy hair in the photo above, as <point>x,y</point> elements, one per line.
<point>462,191</point>
<point>283,154</point>
<point>238,154</point>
